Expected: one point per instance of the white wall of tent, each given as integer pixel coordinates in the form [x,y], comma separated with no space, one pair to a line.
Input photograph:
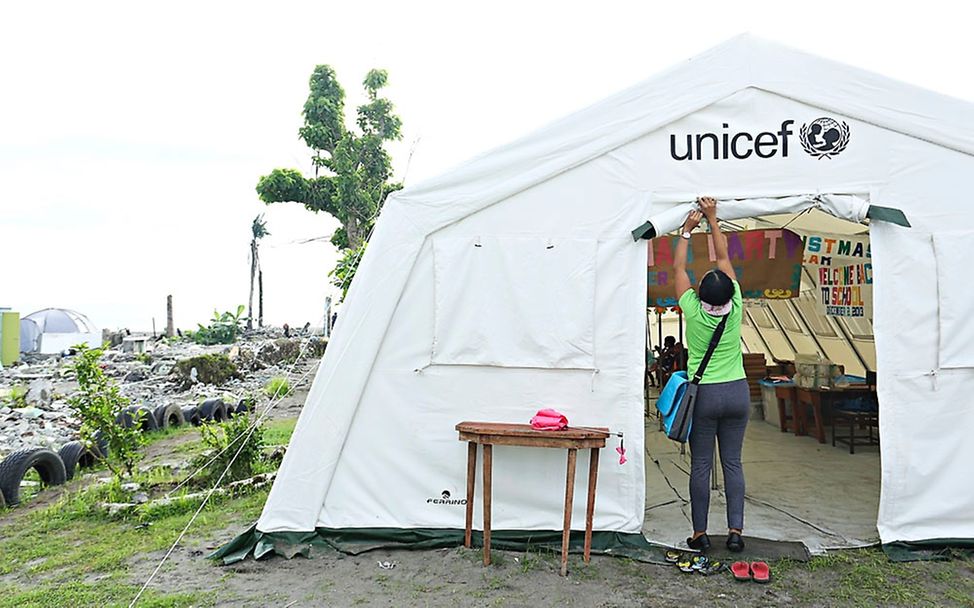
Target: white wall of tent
[376,437]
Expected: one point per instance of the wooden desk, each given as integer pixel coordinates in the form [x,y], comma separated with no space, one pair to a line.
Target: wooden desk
[783,393]
[812,397]
[490,434]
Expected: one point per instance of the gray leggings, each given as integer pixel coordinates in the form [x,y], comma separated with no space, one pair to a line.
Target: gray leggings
[721,411]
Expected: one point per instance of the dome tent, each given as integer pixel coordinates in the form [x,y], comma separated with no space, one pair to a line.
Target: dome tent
[30,336]
[52,330]
[409,361]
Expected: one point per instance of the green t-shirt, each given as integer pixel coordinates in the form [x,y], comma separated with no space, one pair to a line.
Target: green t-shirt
[727,362]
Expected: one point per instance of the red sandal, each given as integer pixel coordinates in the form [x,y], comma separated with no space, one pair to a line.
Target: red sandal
[741,571]
[761,572]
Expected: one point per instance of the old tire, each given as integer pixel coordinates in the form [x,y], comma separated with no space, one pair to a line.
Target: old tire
[13,468]
[214,410]
[242,407]
[191,414]
[168,415]
[127,418]
[70,454]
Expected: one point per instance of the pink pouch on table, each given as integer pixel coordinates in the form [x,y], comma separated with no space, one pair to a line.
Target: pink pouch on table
[549,420]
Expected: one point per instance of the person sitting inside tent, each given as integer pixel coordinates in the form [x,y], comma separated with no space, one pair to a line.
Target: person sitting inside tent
[669,359]
[723,402]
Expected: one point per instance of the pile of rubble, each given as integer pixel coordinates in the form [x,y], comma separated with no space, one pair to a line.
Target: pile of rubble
[34,417]
[34,410]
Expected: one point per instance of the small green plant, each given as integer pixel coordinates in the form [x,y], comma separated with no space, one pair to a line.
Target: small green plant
[223,328]
[99,404]
[233,433]
[16,396]
[277,386]
[144,358]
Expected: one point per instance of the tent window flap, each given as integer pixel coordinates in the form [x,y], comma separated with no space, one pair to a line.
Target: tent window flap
[953,252]
[514,302]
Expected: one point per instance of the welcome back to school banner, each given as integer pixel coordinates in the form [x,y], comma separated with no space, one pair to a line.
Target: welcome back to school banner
[842,267]
[768,263]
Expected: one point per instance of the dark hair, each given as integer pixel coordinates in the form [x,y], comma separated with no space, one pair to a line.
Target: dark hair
[669,341]
[716,288]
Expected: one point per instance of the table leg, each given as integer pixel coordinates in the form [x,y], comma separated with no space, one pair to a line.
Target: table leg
[800,415]
[569,496]
[488,465]
[593,474]
[817,412]
[471,482]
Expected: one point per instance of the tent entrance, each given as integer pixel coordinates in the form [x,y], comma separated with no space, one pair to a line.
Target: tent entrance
[798,490]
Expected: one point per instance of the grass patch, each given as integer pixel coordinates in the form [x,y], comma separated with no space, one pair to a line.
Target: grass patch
[538,559]
[868,579]
[865,577]
[30,486]
[77,594]
[51,555]
[74,538]
[278,432]
[173,431]
[277,387]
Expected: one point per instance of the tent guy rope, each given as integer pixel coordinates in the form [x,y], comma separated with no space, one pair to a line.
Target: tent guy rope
[246,437]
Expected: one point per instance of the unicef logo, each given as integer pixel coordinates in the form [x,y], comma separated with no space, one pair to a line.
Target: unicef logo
[824,137]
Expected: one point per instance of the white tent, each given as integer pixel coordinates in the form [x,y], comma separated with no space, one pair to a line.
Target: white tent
[512,283]
[54,330]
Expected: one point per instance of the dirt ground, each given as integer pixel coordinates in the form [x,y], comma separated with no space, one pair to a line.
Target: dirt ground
[457,577]
[444,577]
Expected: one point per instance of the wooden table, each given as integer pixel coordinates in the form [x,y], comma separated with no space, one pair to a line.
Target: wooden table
[490,434]
[812,397]
[786,393]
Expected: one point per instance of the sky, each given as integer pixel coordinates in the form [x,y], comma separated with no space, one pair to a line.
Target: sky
[132,134]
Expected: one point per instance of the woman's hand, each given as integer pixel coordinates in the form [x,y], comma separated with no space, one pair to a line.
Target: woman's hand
[693,220]
[708,205]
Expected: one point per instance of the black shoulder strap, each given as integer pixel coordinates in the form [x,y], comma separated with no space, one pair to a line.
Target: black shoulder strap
[714,340]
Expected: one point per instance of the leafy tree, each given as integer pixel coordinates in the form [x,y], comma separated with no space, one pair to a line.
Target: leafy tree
[258,230]
[351,169]
[99,404]
[341,276]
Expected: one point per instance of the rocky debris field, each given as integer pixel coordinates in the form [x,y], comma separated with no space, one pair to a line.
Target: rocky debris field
[34,408]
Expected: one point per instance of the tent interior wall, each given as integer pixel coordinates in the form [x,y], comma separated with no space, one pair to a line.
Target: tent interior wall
[781,329]
[785,473]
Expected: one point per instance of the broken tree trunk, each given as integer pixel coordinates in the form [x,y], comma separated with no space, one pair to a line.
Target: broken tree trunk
[260,298]
[170,332]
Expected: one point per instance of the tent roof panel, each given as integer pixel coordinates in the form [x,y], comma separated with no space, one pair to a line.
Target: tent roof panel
[741,62]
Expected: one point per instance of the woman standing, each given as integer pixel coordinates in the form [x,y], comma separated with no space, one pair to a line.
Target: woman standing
[723,401]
